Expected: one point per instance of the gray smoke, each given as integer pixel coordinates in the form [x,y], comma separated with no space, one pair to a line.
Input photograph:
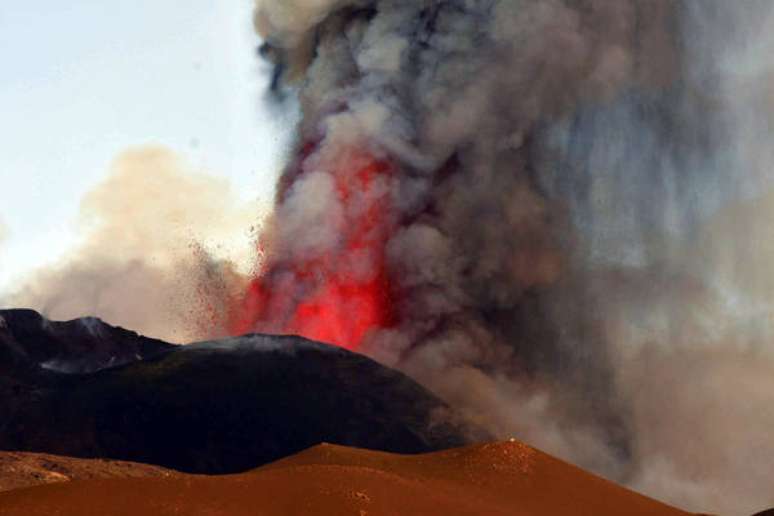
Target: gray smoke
[583,206]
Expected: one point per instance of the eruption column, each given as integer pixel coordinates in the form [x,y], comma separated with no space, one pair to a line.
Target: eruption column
[553,165]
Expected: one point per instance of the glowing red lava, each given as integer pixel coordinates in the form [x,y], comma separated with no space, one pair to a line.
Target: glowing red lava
[339,297]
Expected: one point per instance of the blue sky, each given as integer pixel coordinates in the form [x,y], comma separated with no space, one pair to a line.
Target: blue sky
[82,81]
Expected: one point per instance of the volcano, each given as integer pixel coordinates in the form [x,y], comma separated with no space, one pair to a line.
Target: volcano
[210,407]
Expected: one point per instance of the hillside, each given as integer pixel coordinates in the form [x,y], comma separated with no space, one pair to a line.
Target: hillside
[494,479]
[19,470]
[211,407]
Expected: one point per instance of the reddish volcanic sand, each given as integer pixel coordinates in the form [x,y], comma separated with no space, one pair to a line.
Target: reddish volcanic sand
[19,469]
[494,480]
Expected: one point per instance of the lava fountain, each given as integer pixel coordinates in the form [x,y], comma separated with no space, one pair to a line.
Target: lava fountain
[340,294]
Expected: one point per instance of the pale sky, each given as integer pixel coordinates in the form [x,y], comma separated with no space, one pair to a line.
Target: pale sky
[82,81]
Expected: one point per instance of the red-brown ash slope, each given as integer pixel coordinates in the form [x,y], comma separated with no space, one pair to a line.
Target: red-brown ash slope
[502,479]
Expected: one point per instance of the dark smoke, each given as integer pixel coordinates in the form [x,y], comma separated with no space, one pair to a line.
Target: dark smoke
[581,257]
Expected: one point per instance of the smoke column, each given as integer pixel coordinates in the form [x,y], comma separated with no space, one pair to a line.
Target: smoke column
[553,213]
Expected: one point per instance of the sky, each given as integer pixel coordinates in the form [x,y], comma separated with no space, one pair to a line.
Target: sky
[82,81]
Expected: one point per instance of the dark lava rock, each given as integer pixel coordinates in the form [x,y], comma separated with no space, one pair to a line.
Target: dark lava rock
[213,407]
[79,346]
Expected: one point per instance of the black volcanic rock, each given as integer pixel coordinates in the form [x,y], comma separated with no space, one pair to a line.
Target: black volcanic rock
[219,407]
[79,346]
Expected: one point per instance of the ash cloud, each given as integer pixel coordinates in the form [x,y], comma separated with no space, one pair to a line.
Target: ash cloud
[581,256]
[163,250]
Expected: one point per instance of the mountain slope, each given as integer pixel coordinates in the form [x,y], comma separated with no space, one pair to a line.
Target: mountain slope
[221,407]
[78,346]
[497,480]
[19,470]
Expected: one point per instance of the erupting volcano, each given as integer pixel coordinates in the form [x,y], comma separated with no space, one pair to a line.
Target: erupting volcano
[554,215]
[506,200]
[341,293]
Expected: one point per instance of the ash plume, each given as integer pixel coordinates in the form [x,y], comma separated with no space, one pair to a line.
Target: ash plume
[569,194]
[161,251]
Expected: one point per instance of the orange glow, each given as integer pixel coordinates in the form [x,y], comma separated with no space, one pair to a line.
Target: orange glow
[325,298]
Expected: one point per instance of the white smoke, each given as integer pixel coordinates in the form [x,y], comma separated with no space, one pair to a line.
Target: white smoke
[164,248]
[289,22]
[582,257]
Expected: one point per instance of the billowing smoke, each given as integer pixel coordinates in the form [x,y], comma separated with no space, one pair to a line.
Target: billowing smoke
[554,213]
[161,252]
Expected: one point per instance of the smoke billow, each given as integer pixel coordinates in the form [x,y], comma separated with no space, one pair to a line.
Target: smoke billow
[567,220]
[161,251]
